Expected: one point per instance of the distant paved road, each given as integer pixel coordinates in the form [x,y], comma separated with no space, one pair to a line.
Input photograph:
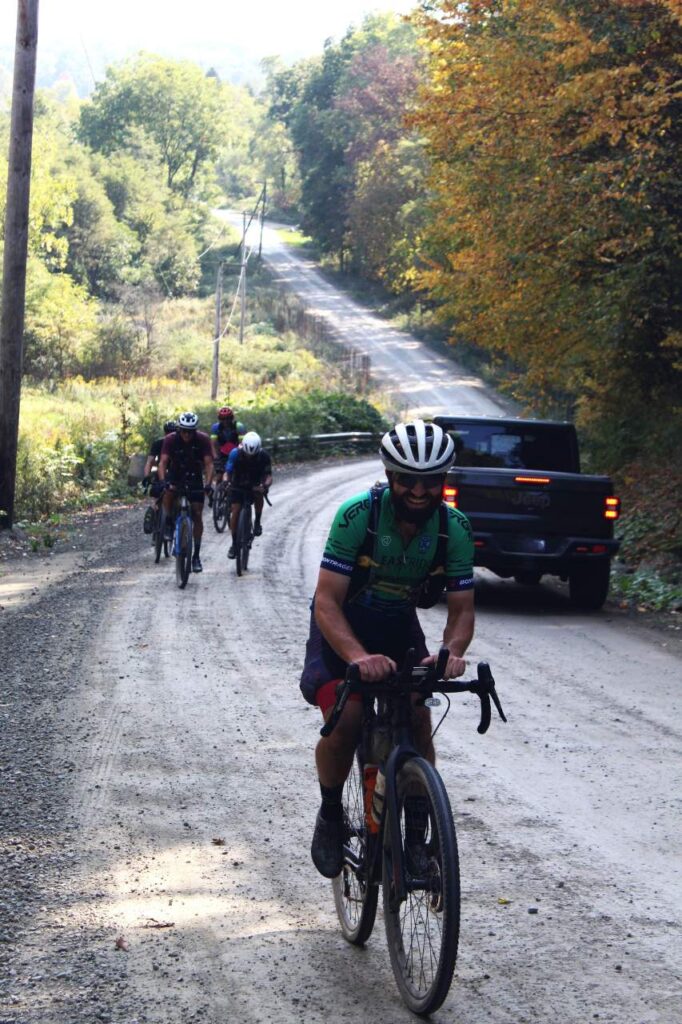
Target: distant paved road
[417,379]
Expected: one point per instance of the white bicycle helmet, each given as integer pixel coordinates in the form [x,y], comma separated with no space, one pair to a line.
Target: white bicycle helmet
[251,443]
[187,421]
[417,447]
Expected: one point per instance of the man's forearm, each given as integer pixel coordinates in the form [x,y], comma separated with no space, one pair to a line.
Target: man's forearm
[337,631]
[459,631]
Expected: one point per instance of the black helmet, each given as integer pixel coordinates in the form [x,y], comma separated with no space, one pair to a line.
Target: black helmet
[169,427]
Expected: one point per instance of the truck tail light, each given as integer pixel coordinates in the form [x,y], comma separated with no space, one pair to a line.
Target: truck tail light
[533,479]
[450,496]
[591,549]
[611,508]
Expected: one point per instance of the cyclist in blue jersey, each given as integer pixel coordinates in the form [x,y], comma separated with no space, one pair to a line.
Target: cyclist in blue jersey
[248,466]
[364,609]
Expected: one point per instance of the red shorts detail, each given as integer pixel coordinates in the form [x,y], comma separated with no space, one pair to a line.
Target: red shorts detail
[325,698]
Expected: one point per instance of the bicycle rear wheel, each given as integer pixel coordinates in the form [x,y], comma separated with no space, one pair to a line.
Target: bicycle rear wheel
[183,556]
[221,508]
[159,528]
[354,894]
[423,930]
[243,539]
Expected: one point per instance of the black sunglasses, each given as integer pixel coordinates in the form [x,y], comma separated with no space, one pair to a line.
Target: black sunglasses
[428,480]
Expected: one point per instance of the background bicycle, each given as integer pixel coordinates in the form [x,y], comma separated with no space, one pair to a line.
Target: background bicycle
[244,538]
[221,505]
[181,532]
[400,832]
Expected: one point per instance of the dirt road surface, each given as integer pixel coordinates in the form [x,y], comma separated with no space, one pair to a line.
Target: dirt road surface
[417,379]
[157,796]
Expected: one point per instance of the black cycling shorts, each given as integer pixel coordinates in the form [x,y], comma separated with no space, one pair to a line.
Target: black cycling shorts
[391,635]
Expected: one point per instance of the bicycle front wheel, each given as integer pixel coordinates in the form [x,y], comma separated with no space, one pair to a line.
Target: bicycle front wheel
[423,929]
[354,894]
[221,510]
[243,539]
[183,555]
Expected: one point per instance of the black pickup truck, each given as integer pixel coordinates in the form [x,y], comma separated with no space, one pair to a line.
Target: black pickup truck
[531,509]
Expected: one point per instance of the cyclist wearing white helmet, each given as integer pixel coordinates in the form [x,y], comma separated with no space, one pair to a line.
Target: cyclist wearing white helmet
[248,468]
[187,460]
[390,550]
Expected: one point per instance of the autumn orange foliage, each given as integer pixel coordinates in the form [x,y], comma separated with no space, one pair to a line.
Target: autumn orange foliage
[555,135]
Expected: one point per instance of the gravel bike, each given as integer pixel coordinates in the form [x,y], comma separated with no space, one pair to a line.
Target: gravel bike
[244,538]
[406,842]
[182,535]
[221,505]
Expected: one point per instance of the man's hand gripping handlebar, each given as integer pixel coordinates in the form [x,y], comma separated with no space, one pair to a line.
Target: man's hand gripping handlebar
[422,679]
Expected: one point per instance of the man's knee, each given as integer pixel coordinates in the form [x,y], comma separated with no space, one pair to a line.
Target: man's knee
[346,733]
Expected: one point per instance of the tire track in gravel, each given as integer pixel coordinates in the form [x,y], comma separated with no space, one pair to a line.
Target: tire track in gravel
[182,724]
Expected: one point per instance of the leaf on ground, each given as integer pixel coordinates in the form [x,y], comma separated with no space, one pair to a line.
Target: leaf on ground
[218,842]
[153,923]
[121,944]
[503,901]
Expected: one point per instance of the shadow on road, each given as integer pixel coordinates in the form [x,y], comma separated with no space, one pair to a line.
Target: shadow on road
[548,598]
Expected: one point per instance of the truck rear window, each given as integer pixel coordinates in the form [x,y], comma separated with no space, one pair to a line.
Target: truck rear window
[515,447]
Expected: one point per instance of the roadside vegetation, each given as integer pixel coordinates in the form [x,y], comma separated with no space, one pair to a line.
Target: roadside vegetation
[502,177]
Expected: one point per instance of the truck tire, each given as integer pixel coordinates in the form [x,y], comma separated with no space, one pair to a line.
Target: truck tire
[528,579]
[588,585]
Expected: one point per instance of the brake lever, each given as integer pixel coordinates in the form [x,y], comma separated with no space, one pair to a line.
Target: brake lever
[486,690]
[343,691]
[442,662]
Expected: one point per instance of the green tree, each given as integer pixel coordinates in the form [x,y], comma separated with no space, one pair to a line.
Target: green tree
[61,322]
[183,111]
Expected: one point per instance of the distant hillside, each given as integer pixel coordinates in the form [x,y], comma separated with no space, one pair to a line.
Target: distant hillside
[80,69]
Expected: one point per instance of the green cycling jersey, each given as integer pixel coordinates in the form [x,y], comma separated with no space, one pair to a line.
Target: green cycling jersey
[398,567]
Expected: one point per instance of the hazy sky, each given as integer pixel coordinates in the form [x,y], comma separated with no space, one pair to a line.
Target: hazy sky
[261,27]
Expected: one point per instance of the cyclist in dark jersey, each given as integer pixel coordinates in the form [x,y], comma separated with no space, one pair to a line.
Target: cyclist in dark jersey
[376,625]
[151,476]
[226,433]
[187,459]
[248,466]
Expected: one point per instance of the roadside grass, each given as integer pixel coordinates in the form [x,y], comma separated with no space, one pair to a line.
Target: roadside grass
[297,240]
[77,436]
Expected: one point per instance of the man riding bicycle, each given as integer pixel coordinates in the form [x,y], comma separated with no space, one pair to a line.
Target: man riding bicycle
[379,562]
[151,475]
[226,433]
[248,468]
[187,459]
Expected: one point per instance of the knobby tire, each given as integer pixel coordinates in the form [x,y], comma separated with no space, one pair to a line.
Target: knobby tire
[423,930]
[354,896]
[159,543]
[243,539]
[183,558]
[221,508]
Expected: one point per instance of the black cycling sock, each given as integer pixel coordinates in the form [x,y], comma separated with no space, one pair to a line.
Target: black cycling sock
[332,808]
[197,548]
[257,520]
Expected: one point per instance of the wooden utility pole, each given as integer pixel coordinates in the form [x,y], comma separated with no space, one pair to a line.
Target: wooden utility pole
[264,196]
[242,283]
[216,336]
[16,246]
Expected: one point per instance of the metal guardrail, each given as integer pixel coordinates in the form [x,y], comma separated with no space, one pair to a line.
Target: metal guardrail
[294,447]
[310,446]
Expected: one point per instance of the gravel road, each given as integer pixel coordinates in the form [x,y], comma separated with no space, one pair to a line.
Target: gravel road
[415,378]
[157,795]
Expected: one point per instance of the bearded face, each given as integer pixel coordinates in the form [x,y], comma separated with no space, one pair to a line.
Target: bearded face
[413,502]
